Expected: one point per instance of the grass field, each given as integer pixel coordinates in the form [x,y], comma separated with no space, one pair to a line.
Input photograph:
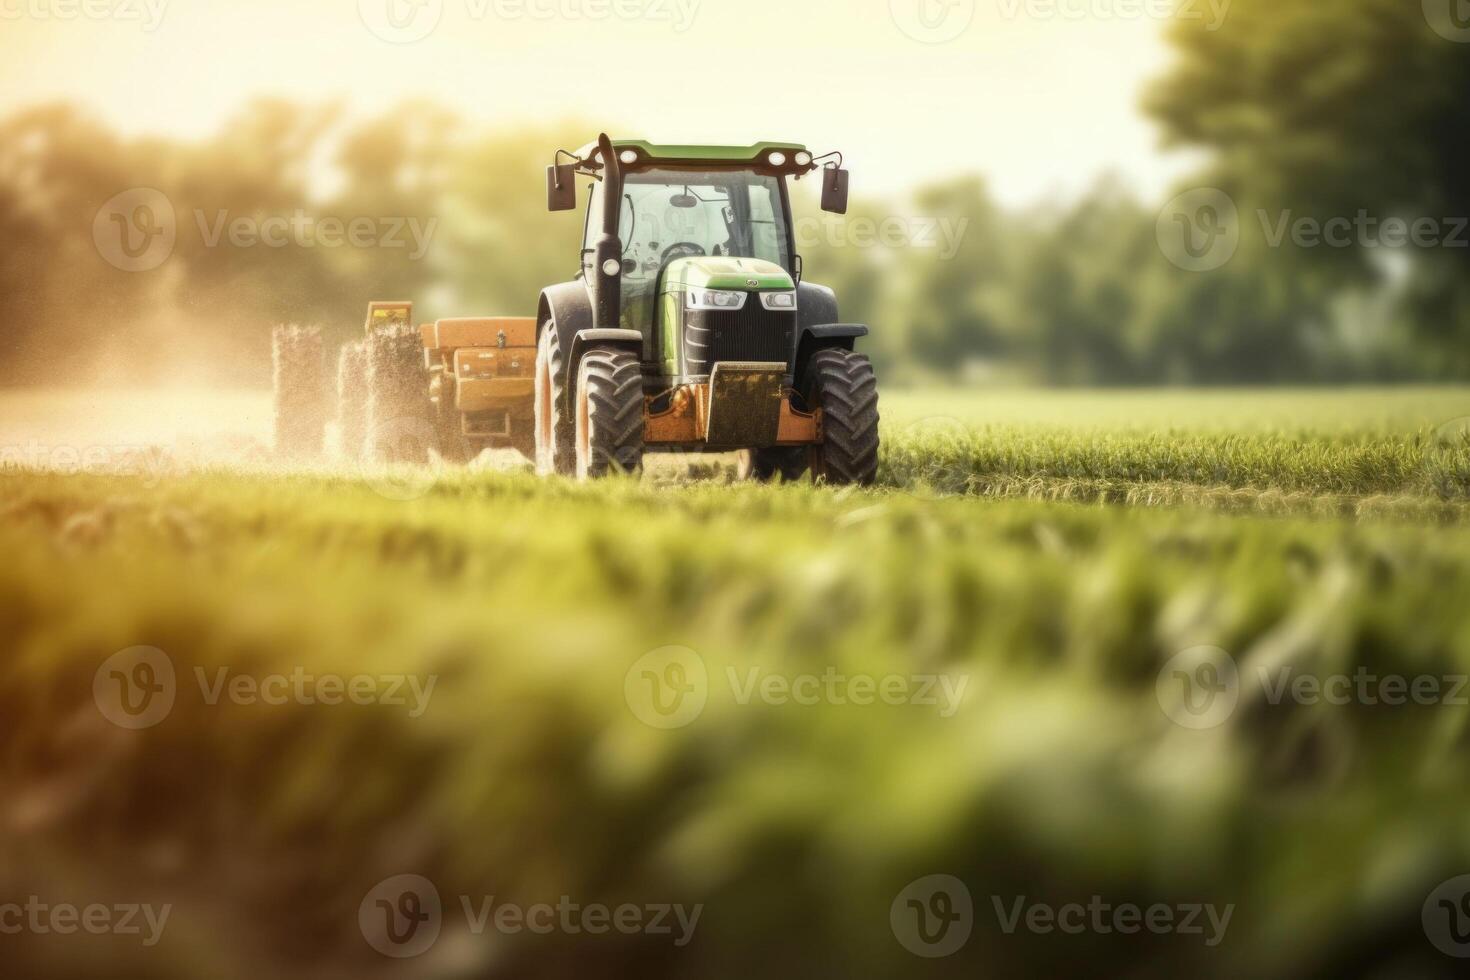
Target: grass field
[1317,534]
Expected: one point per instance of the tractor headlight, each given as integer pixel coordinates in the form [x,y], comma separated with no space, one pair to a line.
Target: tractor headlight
[716,299]
[777,159]
[778,301]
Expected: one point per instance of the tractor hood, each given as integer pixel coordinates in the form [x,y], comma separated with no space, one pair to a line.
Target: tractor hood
[717,272]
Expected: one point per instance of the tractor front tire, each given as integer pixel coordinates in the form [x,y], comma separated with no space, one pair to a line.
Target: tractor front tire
[555,426]
[785,463]
[609,422]
[843,386]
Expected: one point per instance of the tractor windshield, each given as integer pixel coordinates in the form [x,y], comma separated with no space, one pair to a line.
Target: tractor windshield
[669,214]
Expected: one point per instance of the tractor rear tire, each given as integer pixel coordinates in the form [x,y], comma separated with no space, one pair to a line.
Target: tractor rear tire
[786,463]
[609,422]
[301,386]
[556,453]
[843,386]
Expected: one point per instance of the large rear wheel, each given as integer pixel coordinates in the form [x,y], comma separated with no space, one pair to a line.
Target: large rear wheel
[609,424]
[555,427]
[843,386]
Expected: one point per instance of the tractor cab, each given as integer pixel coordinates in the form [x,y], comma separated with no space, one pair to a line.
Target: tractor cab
[688,327]
[678,232]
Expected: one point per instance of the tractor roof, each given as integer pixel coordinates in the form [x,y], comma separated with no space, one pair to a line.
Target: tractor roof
[757,155]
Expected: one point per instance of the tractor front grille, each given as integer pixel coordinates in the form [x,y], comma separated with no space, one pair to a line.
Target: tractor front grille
[751,334]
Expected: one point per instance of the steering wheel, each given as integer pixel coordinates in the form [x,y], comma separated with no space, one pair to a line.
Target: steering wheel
[685,250]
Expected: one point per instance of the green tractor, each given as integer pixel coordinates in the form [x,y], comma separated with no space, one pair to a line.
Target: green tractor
[688,328]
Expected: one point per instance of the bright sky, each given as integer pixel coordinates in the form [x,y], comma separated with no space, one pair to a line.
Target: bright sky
[1039,95]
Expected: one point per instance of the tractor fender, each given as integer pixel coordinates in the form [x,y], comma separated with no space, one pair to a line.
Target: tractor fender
[630,340]
[567,309]
[816,304]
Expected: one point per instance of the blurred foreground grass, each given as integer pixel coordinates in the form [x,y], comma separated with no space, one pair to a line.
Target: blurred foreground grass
[530,776]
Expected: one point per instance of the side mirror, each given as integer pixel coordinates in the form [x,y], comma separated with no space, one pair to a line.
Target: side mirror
[834,190]
[561,187]
[797,265]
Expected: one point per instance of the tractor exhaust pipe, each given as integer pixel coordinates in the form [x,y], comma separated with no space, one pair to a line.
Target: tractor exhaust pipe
[608,295]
